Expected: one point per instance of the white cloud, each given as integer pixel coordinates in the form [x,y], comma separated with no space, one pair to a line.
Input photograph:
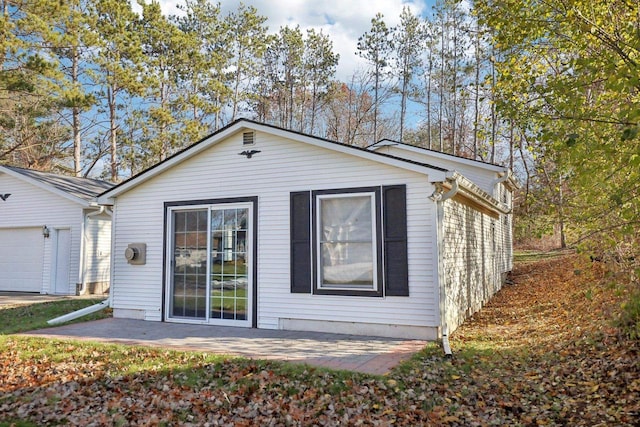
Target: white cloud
[343,20]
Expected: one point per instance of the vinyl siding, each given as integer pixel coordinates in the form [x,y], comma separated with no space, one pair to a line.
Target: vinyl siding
[98,252]
[30,206]
[504,195]
[283,166]
[474,256]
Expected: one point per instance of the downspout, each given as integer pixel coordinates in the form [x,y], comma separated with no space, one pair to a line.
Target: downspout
[82,262]
[439,197]
[92,308]
[83,256]
[506,175]
[79,313]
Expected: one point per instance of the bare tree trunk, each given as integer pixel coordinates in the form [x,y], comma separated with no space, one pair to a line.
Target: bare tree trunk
[494,124]
[375,101]
[236,87]
[563,239]
[559,204]
[164,149]
[477,94]
[314,96]
[527,178]
[429,74]
[403,103]
[112,133]
[349,118]
[454,142]
[441,97]
[75,113]
[512,146]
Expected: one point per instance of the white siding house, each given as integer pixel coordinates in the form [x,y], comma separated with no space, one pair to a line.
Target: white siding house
[54,239]
[257,226]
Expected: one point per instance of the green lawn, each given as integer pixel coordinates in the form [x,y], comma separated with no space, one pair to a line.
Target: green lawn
[35,316]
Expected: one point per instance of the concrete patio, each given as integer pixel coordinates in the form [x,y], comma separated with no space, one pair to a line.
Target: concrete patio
[373,355]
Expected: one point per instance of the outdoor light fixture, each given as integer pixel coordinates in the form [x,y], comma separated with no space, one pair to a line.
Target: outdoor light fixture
[45,231]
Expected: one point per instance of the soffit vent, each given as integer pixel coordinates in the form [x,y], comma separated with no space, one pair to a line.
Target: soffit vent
[248,138]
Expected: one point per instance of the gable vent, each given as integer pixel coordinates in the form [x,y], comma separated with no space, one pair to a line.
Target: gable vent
[248,138]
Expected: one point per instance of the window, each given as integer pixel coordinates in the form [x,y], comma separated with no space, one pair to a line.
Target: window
[349,241]
[346,241]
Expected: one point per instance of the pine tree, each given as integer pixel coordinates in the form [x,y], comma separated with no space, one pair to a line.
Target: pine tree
[408,41]
[163,48]
[68,39]
[31,134]
[204,79]
[320,65]
[247,42]
[118,61]
[375,46]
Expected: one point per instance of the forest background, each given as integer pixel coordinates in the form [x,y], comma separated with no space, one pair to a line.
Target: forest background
[105,89]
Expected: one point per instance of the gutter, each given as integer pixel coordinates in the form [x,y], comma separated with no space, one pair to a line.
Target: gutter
[80,313]
[505,176]
[439,197]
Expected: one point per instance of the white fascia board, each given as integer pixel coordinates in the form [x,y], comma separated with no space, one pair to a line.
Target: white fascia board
[43,186]
[107,198]
[434,174]
[438,154]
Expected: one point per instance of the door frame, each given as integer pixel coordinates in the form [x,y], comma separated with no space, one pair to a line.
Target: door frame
[167,253]
[55,252]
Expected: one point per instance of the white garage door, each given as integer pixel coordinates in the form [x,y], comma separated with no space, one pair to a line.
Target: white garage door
[21,255]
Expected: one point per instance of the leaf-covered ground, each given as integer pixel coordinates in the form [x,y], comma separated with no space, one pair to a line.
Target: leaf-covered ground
[543,352]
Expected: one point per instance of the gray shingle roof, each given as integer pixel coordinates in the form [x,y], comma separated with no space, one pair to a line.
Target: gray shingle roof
[83,188]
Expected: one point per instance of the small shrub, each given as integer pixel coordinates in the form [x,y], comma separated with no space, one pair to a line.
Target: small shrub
[629,320]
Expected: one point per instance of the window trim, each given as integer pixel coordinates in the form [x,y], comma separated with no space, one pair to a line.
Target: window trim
[374,193]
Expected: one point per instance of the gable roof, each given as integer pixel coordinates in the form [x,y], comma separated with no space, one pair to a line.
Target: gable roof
[437,154]
[503,172]
[435,173]
[80,190]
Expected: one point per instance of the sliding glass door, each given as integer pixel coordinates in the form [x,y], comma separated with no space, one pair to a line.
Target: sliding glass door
[209,264]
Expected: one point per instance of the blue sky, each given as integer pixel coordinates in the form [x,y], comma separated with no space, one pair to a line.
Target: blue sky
[343,20]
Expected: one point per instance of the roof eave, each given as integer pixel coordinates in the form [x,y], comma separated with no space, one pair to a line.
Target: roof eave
[107,197]
[477,163]
[43,186]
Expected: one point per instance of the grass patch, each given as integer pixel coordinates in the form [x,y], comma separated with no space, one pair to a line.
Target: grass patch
[629,318]
[17,423]
[35,316]
[533,256]
[115,359]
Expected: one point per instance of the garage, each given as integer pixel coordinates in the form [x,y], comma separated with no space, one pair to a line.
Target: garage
[21,253]
[54,239]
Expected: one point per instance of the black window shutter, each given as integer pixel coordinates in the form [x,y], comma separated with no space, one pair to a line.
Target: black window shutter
[396,270]
[300,221]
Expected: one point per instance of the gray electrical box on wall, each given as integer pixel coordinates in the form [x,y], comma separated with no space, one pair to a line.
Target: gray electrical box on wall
[136,253]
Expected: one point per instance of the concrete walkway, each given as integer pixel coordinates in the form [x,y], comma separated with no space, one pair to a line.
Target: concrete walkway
[371,355]
[11,299]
